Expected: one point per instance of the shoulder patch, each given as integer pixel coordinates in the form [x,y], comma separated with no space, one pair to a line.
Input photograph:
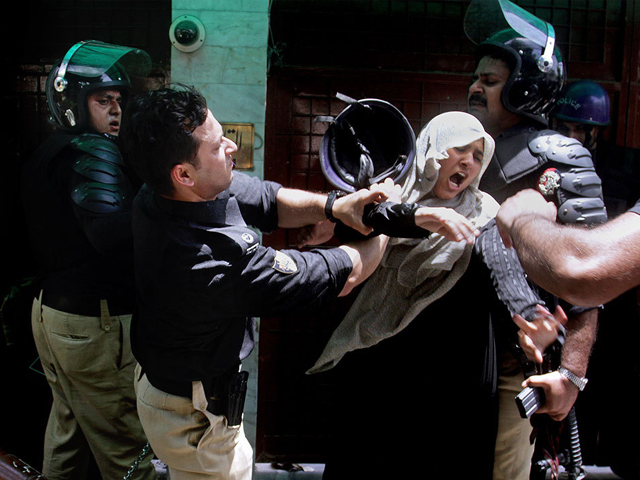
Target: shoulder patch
[283,263]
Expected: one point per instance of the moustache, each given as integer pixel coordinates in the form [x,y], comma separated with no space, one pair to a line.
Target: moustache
[475,98]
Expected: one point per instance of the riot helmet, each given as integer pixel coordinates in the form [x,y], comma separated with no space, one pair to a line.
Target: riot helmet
[527,44]
[86,67]
[369,141]
[583,101]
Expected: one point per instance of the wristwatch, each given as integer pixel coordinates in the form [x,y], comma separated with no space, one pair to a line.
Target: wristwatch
[579,382]
[328,207]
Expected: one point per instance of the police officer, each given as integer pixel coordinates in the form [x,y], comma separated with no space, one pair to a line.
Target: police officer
[202,277]
[518,77]
[583,112]
[77,194]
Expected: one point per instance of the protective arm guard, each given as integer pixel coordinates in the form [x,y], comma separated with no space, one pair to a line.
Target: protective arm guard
[103,188]
[570,180]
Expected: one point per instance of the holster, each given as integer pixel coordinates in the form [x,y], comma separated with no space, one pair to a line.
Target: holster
[225,393]
[227,396]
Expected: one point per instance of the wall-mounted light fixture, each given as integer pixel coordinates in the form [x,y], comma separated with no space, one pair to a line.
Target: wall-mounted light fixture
[187,33]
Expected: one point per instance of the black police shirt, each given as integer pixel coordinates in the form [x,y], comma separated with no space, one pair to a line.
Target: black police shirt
[202,274]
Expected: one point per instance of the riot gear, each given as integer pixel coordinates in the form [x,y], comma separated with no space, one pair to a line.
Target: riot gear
[370,140]
[86,67]
[527,44]
[104,188]
[570,179]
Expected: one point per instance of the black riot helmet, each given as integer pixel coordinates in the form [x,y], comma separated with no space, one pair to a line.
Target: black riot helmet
[86,67]
[527,44]
[369,141]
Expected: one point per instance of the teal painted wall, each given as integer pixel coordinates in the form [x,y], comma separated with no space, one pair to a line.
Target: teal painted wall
[230,69]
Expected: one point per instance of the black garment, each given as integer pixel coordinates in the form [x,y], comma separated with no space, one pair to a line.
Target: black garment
[513,167]
[386,218]
[202,275]
[422,403]
[83,254]
[619,169]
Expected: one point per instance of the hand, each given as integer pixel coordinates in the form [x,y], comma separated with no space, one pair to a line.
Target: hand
[448,223]
[541,332]
[349,209]
[525,202]
[559,392]
[316,234]
[389,191]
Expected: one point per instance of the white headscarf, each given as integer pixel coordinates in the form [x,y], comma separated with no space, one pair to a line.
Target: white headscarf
[415,272]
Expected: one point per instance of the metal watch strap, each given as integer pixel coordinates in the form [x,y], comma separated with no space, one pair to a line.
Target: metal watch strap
[328,207]
[579,382]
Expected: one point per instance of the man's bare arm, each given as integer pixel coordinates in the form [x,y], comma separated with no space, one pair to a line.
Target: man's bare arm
[585,266]
[365,256]
[299,208]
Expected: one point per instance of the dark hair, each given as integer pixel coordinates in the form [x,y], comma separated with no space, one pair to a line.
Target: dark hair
[157,133]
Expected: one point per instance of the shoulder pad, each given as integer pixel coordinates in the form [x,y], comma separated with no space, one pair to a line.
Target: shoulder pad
[550,146]
[98,170]
[99,197]
[586,211]
[99,147]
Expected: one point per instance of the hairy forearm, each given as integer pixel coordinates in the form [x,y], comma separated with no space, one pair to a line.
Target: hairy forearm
[585,266]
[581,335]
[541,250]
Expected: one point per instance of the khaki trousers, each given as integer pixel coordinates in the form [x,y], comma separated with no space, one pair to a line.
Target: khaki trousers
[193,442]
[513,451]
[89,366]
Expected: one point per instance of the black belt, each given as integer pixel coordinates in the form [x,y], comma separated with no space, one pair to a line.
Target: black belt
[184,388]
[86,306]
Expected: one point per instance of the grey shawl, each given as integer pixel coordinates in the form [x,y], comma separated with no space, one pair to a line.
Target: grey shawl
[416,272]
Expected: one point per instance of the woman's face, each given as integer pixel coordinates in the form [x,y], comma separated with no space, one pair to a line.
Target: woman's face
[459,170]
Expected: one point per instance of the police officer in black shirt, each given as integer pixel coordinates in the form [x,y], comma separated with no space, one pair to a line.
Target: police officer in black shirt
[202,276]
[77,195]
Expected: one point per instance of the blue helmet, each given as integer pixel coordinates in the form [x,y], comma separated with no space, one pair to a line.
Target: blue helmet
[583,101]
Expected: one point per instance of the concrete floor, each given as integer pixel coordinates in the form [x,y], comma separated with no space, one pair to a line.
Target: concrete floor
[264,471]
[313,471]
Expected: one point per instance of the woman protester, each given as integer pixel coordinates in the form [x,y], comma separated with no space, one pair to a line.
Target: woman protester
[414,359]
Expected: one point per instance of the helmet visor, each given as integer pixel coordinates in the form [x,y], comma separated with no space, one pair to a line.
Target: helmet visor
[485,18]
[92,59]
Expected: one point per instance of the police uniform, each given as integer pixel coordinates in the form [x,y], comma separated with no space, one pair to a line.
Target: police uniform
[202,276]
[77,196]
